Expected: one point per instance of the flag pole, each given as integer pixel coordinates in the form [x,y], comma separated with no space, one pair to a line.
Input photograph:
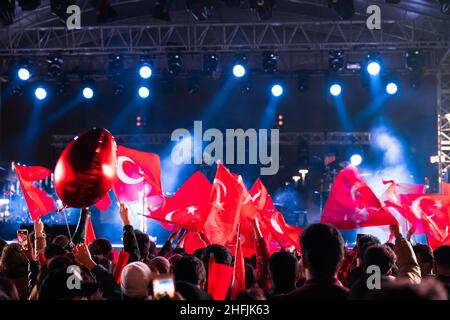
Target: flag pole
[236,253]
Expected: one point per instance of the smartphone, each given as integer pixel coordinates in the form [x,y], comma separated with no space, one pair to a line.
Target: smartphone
[22,237]
[163,286]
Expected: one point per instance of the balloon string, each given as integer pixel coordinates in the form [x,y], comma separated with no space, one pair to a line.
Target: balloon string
[67,225]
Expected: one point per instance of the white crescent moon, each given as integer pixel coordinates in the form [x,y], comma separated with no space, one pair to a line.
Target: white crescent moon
[168,217]
[121,173]
[256,196]
[354,190]
[415,207]
[275,224]
[222,185]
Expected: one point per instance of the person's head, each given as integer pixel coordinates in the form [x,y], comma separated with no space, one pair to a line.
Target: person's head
[61,240]
[104,262]
[174,258]
[190,269]
[53,250]
[101,246]
[13,262]
[161,264]
[424,256]
[428,289]
[381,256]
[54,285]
[8,287]
[363,243]
[135,281]
[283,269]
[253,294]
[442,260]
[322,250]
[143,241]
[190,291]
[221,255]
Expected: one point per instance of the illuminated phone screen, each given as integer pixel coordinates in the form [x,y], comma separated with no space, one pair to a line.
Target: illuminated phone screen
[22,237]
[163,286]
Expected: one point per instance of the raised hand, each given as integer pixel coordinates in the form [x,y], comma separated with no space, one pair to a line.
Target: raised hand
[38,228]
[83,256]
[124,214]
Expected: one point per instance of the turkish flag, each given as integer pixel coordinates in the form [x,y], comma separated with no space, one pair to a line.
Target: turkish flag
[352,204]
[272,223]
[238,282]
[223,207]
[139,177]
[445,188]
[392,199]
[219,279]
[188,206]
[90,234]
[193,241]
[430,212]
[38,201]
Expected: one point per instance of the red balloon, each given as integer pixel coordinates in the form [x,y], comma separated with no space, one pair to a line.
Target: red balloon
[86,169]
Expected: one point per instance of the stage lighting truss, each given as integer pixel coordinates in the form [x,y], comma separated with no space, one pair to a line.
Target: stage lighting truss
[210,63]
[200,9]
[336,60]
[262,8]
[55,66]
[269,62]
[174,63]
[7,11]
[29,5]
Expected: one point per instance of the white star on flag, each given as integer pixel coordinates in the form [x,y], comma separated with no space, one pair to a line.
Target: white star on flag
[191,210]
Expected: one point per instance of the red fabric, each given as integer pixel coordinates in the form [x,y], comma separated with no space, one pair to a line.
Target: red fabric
[192,242]
[122,261]
[238,284]
[219,279]
[223,207]
[274,227]
[188,206]
[41,258]
[104,203]
[139,176]
[90,234]
[38,201]
[431,213]
[445,188]
[352,204]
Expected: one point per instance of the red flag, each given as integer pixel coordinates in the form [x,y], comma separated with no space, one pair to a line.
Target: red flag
[192,242]
[188,206]
[352,204]
[38,201]
[104,203]
[139,177]
[219,279]
[122,261]
[430,212]
[238,283]
[223,207]
[90,234]
[270,219]
[445,188]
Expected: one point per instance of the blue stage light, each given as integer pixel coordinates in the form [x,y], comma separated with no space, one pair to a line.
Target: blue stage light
[391,88]
[373,68]
[40,93]
[356,160]
[88,92]
[277,90]
[144,92]
[23,73]
[335,89]
[239,70]
[145,71]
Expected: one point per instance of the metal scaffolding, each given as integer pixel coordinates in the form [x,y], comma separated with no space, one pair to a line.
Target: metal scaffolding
[286,138]
[443,114]
[299,36]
